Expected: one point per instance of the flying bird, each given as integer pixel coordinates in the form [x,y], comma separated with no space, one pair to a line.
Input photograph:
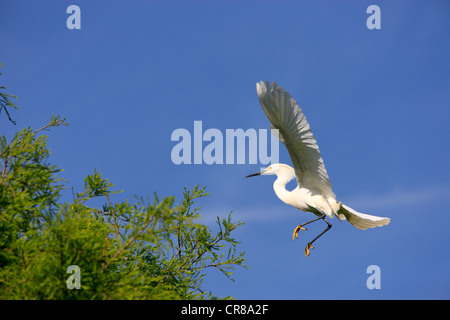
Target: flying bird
[313,192]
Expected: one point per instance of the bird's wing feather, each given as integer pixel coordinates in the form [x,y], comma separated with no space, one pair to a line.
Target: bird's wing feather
[285,115]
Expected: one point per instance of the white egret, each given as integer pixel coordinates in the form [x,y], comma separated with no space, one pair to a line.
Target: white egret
[313,192]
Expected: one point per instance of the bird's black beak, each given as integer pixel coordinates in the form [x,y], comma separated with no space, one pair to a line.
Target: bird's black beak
[253,175]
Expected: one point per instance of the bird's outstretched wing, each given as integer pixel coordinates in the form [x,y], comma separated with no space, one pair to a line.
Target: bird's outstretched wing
[285,115]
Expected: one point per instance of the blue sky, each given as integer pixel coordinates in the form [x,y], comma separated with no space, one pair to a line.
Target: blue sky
[377,102]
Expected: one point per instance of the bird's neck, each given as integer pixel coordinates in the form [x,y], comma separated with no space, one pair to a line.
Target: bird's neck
[279,185]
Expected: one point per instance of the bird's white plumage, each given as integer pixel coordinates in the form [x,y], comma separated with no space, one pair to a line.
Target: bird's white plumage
[360,220]
[285,115]
[313,193]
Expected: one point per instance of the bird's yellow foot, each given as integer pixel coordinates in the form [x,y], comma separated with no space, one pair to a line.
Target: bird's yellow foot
[296,231]
[307,249]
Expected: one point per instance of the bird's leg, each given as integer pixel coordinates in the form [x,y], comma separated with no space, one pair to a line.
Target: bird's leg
[309,245]
[296,231]
[300,227]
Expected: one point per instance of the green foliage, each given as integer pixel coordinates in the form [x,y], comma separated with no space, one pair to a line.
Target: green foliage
[5,102]
[138,249]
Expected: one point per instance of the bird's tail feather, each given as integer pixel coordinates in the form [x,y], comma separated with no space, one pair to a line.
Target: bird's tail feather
[361,220]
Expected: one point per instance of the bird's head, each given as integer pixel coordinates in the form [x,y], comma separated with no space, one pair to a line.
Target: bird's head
[272,169]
